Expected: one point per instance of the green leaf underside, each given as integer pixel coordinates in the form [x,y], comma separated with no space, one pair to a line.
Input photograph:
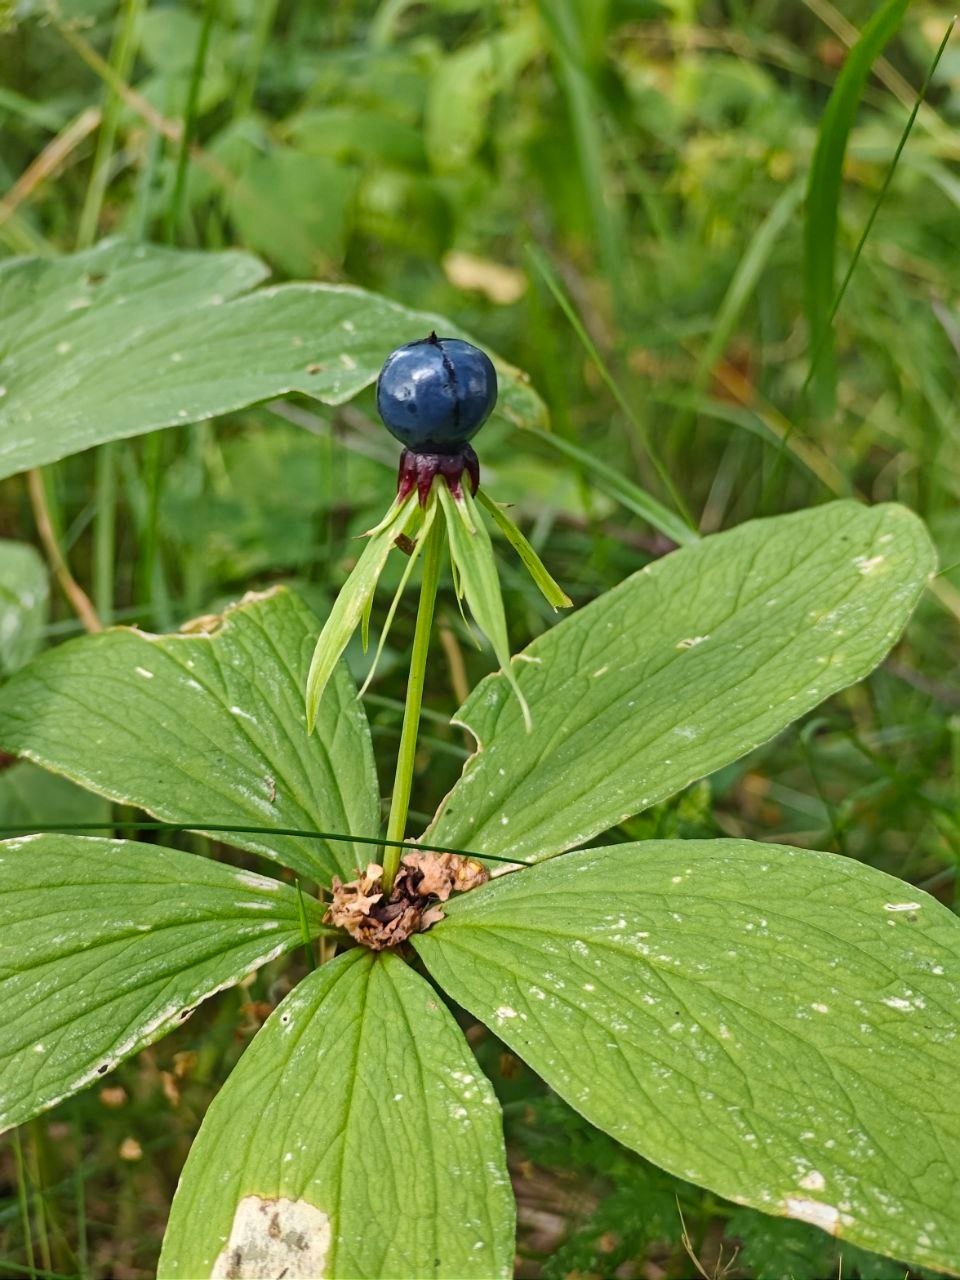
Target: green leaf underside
[107,944]
[207,729]
[359,1124]
[352,605]
[23,604]
[477,579]
[777,1025]
[123,339]
[681,669]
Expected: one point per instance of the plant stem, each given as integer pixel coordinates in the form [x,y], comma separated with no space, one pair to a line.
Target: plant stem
[105,531]
[121,61]
[175,209]
[23,1196]
[78,598]
[406,756]
[263,23]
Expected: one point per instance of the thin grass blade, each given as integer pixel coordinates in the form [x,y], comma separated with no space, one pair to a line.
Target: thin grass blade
[823,195]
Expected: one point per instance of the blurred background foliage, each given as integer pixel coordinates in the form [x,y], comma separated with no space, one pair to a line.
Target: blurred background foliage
[612,194]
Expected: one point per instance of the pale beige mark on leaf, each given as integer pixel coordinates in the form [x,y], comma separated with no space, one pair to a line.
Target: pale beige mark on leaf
[273,1238]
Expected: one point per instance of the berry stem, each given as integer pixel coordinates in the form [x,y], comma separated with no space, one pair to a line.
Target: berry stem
[406,756]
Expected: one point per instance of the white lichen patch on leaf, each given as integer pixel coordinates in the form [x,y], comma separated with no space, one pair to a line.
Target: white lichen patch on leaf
[691,642]
[288,1238]
[824,1216]
[867,564]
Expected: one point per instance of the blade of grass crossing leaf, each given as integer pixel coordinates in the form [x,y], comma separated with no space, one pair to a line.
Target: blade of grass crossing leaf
[473,553]
[823,192]
[552,592]
[59,828]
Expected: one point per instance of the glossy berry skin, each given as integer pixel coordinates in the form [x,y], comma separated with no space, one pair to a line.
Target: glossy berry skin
[436,394]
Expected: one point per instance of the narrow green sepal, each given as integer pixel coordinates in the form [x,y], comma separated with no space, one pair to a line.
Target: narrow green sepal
[472,553]
[429,515]
[549,588]
[350,605]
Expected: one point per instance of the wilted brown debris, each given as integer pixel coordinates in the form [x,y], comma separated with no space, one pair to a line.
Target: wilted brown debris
[423,882]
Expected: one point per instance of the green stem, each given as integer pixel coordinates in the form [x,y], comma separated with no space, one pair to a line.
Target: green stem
[105,531]
[406,756]
[263,22]
[175,209]
[121,61]
[23,1196]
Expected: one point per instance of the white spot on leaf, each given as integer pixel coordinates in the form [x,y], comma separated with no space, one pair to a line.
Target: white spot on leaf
[288,1238]
[813,1181]
[867,564]
[824,1216]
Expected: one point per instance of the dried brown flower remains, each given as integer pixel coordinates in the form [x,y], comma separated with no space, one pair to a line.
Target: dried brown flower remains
[424,881]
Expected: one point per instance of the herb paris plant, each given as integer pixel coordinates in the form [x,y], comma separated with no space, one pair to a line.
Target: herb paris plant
[761,1020]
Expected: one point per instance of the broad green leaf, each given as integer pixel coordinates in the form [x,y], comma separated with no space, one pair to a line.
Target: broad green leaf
[207,728]
[353,603]
[357,1137]
[777,1025]
[23,604]
[122,339]
[477,580]
[106,944]
[824,189]
[679,670]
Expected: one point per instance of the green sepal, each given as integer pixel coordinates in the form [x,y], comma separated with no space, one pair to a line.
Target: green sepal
[472,553]
[349,607]
[551,590]
[429,516]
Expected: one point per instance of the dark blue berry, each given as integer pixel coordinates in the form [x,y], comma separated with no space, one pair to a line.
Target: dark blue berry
[436,394]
